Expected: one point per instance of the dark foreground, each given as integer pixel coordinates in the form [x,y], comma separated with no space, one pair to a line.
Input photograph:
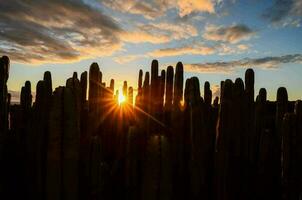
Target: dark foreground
[170,145]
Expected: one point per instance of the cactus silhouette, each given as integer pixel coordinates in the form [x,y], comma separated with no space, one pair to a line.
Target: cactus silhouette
[170,142]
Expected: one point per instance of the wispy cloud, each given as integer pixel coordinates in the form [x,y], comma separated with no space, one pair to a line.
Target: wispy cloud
[127,58]
[159,33]
[225,67]
[230,34]
[185,50]
[188,6]
[56,31]
[284,12]
[152,9]
[200,49]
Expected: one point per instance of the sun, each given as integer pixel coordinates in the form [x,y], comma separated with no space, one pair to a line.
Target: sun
[121,98]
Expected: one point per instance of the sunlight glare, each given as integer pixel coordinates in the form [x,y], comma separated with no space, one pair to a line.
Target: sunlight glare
[121,98]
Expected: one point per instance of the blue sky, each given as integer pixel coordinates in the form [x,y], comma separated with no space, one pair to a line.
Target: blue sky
[215,39]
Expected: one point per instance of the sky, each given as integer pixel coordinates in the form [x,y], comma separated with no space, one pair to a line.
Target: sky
[214,39]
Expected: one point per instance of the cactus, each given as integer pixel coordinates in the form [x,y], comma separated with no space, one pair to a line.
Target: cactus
[48,83]
[281,109]
[155,87]
[207,94]
[223,130]
[26,99]
[178,86]
[94,149]
[112,86]
[93,98]
[125,89]
[162,82]
[177,121]
[63,146]
[169,88]
[146,92]
[130,95]
[169,95]
[288,156]
[140,82]
[4,74]
[83,87]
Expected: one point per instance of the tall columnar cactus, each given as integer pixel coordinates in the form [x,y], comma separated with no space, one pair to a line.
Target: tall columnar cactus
[130,95]
[4,74]
[111,86]
[238,129]
[262,96]
[146,92]
[125,89]
[216,102]
[75,87]
[140,82]
[250,151]
[260,115]
[207,94]
[178,85]
[155,85]
[48,84]
[260,106]
[26,97]
[281,109]
[177,121]
[198,143]
[169,88]
[289,157]
[139,96]
[249,84]
[94,80]
[100,87]
[298,150]
[162,84]
[94,98]
[169,95]
[223,131]
[83,83]
[63,147]
[39,135]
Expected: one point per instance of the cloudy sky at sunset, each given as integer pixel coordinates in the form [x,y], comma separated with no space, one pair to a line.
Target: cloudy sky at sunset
[215,39]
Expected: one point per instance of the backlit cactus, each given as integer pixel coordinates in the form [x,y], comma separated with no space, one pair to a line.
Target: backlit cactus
[172,144]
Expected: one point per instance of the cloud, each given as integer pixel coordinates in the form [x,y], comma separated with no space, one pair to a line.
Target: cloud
[200,49]
[55,31]
[188,6]
[284,12]
[152,9]
[225,67]
[128,58]
[243,47]
[189,50]
[159,33]
[230,34]
[148,9]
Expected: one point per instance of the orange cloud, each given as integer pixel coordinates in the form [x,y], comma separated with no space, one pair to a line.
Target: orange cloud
[152,9]
[159,33]
[126,59]
[197,50]
[188,6]
[230,34]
